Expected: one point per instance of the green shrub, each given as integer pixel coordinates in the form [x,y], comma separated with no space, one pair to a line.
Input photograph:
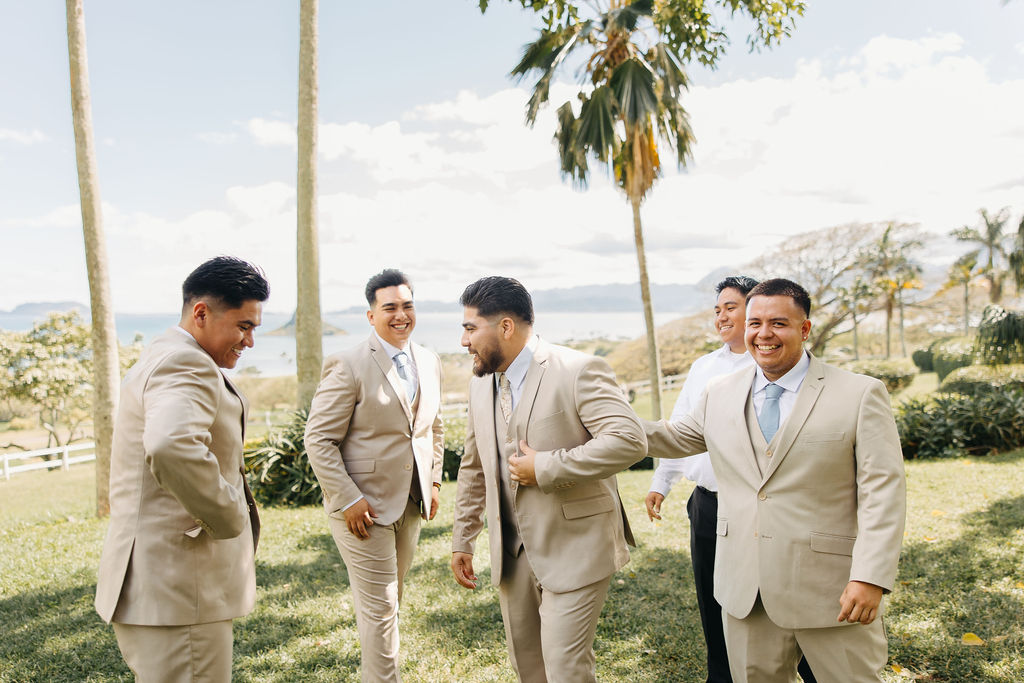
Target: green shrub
[922,358]
[954,425]
[950,354]
[1000,337]
[277,467]
[895,374]
[975,379]
[454,446]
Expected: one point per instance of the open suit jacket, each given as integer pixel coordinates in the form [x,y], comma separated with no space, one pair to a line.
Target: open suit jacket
[573,527]
[183,528]
[362,436]
[829,509]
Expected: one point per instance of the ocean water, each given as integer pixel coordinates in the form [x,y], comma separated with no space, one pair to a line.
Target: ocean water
[275,355]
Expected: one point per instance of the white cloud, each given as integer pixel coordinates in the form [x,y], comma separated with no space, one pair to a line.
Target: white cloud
[269,133]
[22,137]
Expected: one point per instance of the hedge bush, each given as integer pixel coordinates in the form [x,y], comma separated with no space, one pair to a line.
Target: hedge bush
[954,425]
[1000,336]
[277,467]
[975,379]
[950,354]
[922,358]
[895,374]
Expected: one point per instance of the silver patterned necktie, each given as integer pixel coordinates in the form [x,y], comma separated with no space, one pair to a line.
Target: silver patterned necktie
[402,364]
[505,396]
[769,417]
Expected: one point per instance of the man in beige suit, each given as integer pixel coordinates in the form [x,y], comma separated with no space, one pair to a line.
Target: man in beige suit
[811,502]
[556,525]
[375,441]
[177,565]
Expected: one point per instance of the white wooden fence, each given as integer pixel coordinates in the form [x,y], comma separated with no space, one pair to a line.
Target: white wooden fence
[36,463]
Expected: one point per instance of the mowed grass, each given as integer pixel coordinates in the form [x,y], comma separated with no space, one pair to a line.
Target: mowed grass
[962,571]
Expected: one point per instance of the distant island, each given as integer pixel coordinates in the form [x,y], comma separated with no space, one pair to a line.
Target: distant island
[38,308]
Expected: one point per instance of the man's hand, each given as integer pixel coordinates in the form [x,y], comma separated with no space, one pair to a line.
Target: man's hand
[359,518]
[462,567]
[521,466]
[653,504]
[860,602]
[435,500]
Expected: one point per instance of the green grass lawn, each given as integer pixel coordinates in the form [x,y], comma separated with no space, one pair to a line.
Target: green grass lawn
[961,571]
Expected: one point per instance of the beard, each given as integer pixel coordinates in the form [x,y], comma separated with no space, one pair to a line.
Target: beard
[486,361]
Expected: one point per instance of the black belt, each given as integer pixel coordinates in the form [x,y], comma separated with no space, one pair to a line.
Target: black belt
[707,492]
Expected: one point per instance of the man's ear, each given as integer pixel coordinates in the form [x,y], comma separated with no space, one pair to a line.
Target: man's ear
[200,313]
[508,327]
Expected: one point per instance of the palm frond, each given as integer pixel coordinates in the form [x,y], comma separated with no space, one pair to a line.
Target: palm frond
[572,156]
[596,132]
[626,18]
[633,85]
[546,54]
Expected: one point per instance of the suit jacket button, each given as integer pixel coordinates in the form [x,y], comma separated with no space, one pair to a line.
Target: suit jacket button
[408,467]
[762,496]
[769,454]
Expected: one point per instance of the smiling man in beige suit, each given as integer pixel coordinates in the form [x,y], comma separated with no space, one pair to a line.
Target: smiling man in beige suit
[556,525]
[375,441]
[811,500]
[177,565]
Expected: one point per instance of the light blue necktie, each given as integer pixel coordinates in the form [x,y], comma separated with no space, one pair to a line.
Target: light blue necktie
[402,364]
[769,417]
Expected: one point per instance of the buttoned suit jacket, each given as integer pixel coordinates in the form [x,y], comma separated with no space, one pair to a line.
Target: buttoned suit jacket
[829,509]
[183,527]
[362,436]
[572,523]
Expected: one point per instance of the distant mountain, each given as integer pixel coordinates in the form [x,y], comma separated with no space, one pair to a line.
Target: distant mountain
[36,308]
[611,298]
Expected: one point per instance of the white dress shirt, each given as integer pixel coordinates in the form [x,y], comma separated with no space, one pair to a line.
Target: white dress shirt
[697,468]
[790,382]
[516,371]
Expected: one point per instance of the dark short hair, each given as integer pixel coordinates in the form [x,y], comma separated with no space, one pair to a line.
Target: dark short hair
[783,287]
[228,280]
[496,295]
[389,277]
[741,283]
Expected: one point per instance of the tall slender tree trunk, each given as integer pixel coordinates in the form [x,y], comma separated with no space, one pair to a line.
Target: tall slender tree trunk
[903,339]
[856,352]
[888,326]
[653,360]
[106,370]
[967,319]
[308,327]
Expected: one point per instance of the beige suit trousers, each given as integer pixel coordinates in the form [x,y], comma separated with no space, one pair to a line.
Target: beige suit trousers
[376,571]
[197,653]
[550,636]
[762,652]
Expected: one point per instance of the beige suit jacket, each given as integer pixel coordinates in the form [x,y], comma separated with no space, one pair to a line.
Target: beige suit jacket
[362,436]
[829,509]
[179,549]
[573,526]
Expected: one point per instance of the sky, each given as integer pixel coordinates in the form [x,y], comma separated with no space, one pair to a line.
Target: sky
[876,110]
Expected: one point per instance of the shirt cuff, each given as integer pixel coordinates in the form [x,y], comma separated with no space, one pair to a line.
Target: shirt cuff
[352,503]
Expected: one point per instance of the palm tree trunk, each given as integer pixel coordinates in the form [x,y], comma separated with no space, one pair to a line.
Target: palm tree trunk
[967,319]
[888,326]
[653,361]
[308,328]
[106,371]
[903,339]
[856,352]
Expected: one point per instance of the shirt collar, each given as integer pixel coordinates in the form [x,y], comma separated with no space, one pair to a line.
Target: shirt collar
[391,350]
[791,381]
[516,371]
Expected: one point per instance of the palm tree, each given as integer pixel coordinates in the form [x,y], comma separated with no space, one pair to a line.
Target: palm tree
[1017,257]
[308,328]
[961,274]
[993,243]
[887,262]
[106,372]
[854,299]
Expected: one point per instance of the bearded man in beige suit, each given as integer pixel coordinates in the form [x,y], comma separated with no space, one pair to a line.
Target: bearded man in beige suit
[375,440]
[811,500]
[548,429]
[177,565]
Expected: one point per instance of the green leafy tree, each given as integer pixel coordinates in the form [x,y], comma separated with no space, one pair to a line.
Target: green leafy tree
[1017,257]
[631,57]
[855,298]
[994,245]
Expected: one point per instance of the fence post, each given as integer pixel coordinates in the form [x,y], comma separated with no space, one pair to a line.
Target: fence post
[64,465]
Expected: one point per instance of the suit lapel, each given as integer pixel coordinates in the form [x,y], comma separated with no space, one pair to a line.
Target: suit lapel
[531,385]
[482,400]
[805,400]
[740,393]
[427,382]
[387,366]
[241,397]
